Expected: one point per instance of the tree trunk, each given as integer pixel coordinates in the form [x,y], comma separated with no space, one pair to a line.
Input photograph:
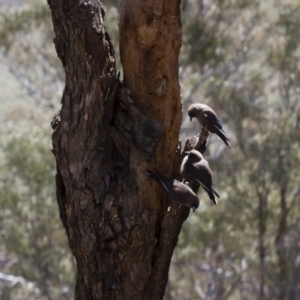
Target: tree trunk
[105,137]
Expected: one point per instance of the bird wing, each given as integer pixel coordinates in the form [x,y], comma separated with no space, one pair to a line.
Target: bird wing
[181,188]
[175,189]
[203,175]
[167,184]
[204,184]
[183,194]
[212,118]
[209,189]
[215,192]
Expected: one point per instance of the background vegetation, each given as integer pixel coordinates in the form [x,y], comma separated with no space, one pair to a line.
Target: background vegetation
[242,57]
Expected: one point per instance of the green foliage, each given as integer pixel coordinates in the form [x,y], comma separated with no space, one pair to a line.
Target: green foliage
[34,243]
[35,262]
[247,246]
[112,23]
[26,41]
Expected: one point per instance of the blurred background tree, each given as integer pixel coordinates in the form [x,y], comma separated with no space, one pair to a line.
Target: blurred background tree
[239,56]
[35,261]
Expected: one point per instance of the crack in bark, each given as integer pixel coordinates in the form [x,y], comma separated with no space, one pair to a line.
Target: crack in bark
[133,126]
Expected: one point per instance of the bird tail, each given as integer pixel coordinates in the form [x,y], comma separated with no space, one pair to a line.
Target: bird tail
[215,192]
[152,174]
[161,179]
[222,135]
[212,198]
[212,190]
[210,193]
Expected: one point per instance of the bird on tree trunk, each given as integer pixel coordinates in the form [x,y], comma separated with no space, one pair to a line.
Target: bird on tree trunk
[195,167]
[207,117]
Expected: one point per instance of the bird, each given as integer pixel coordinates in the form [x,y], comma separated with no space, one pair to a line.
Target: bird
[208,117]
[177,191]
[195,167]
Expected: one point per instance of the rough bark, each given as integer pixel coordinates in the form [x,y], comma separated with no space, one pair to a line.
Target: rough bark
[105,137]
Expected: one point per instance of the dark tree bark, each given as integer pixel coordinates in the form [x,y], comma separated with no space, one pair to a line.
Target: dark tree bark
[105,137]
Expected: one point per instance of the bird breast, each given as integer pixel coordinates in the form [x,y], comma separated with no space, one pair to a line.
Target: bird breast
[201,118]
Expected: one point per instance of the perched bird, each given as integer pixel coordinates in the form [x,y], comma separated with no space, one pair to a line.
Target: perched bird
[195,167]
[177,191]
[207,117]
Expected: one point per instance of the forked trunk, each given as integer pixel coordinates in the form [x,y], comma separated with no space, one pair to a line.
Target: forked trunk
[105,137]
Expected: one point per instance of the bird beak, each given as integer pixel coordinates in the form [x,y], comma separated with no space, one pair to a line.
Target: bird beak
[191,118]
[193,208]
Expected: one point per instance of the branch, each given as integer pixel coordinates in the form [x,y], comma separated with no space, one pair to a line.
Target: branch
[13,280]
[32,90]
[197,142]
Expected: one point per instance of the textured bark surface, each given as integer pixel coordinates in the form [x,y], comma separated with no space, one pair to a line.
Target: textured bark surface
[105,137]
[150,40]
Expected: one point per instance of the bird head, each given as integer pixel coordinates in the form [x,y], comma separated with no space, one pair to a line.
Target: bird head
[192,112]
[196,153]
[193,155]
[191,115]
